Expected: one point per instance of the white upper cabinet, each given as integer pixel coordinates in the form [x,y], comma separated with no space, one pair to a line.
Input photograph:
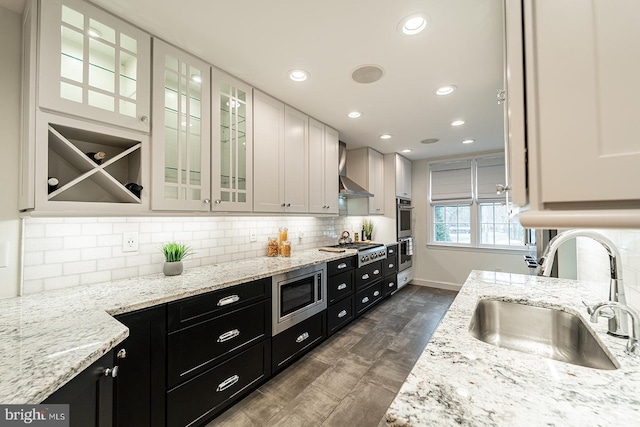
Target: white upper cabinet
[403,177]
[323,168]
[581,110]
[280,147]
[93,65]
[366,167]
[181,131]
[232,144]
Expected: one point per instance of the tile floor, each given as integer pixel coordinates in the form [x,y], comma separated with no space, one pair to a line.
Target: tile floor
[350,379]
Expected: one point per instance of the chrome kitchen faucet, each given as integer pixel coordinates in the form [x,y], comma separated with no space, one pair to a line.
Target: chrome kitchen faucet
[619,323]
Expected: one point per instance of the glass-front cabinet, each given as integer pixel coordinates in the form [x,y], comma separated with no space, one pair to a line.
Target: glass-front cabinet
[93,65]
[181,131]
[232,142]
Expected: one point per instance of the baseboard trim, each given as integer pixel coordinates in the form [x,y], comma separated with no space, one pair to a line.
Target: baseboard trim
[439,285]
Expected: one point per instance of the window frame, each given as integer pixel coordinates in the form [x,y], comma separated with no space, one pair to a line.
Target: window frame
[475,215]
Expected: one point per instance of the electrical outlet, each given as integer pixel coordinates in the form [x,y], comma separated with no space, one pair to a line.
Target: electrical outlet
[130,242]
[300,234]
[253,236]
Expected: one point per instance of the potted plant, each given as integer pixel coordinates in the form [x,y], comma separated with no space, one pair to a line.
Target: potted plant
[173,254]
[367,226]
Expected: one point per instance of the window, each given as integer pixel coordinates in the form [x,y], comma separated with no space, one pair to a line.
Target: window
[466,210]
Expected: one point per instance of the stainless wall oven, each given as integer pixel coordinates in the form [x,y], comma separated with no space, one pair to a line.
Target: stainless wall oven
[405,253]
[298,295]
[403,216]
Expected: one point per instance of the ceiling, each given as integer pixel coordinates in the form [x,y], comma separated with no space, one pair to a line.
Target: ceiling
[260,41]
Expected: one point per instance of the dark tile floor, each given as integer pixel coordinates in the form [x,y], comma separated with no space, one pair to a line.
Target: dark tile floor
[350,379]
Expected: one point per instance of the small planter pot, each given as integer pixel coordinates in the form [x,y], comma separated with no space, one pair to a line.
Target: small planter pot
[172,268]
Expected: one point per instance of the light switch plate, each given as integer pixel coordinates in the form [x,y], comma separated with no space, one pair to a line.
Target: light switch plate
[130,241]
[4,254]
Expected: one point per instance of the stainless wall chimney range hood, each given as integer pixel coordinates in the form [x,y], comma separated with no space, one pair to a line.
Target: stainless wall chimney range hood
[348,188]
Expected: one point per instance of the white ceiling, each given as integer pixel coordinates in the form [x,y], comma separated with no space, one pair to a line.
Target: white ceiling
[260,41]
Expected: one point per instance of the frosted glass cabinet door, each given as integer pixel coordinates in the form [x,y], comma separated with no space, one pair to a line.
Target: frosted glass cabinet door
[232,144]
[93,65]
[181,131]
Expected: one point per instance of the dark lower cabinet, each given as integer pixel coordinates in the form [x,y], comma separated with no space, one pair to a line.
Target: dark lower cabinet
[196,401]
[89,395]
[368,297]
[140,387]
[368,274]
[390,284]
[292,343]
[340,314]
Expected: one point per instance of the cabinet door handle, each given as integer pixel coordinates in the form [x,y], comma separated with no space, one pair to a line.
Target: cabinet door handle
[288,205]
[391,284]
[283,205]
[376,271]
[391,251]
[302,337]
[365,276]
[111,372]
[376,293]
[390,265]
[228,335]
[365,300]
[144,119]
[228,383]
[342,265]
[342,313]
[342,286]
[228,300]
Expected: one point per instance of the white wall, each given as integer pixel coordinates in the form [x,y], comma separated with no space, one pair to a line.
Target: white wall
[448,267]
[593,263]
[10,39]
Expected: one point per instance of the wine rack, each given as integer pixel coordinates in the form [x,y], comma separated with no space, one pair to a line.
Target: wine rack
[83,182]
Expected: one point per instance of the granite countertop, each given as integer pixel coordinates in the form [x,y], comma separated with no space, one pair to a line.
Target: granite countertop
[47,338]
[459,380]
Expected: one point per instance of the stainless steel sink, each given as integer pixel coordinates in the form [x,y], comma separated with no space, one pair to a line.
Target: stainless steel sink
[546,332]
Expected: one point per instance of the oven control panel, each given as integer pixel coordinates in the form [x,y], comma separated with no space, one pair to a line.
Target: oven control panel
[367,256]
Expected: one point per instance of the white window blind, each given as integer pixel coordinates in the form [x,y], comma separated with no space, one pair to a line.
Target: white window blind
[451,181]
[490,172]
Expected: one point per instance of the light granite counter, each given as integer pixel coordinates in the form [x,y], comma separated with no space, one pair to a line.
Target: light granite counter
[47,338]
[459,380]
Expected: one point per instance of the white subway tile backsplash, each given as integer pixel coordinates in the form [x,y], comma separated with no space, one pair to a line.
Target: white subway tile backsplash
[63,252]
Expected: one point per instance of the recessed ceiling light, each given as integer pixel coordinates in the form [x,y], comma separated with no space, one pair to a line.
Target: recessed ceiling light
[445,90]
[94,33]
[196,78]
[429,141]
[468,141]
[385,136]
[413,24]
[406,151]
[354,114]
[457,123]
[298,75]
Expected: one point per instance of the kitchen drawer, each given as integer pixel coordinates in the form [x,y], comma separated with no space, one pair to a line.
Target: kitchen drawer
[392,250]
[368,297]
[196,348]
[189,311]
[368,274]
[340,314]
[389,284]
[341,265]
[203,397]
[390,266]
[340,286]
[297,340]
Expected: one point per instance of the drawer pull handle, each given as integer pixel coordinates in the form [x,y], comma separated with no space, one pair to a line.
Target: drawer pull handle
[228,335]
[302,337]
[391,284]
[342,286]
[342,313]
[365,300]
[342,265]
[228,300]
[365,276]
[391,265]
[391,252]
[376,271]
[376,293]
[228,383]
